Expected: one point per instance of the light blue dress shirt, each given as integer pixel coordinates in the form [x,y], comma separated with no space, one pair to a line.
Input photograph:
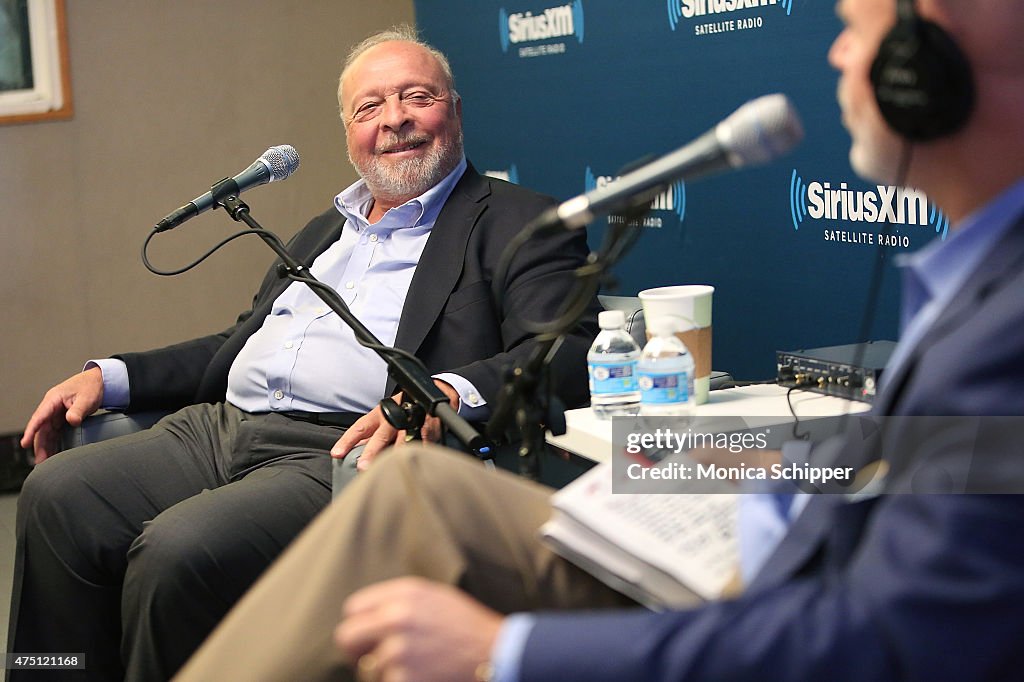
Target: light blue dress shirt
[931,278]
[304,357]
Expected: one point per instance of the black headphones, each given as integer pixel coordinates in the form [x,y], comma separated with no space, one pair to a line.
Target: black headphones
[922,80]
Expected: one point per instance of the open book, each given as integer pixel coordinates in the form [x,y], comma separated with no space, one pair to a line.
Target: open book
[663,550]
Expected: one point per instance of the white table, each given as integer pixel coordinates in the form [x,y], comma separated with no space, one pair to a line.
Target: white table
[762,405]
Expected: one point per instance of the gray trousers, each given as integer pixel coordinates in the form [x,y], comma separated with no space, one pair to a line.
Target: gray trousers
[131,550]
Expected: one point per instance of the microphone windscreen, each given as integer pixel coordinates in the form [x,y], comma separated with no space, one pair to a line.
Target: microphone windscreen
[761,130]
[283,160]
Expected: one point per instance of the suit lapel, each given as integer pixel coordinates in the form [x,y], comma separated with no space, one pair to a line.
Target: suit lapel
[330,236]
[803,539]
[810,530]
[440,265]
[214,382]
[306,257]
[1001,262]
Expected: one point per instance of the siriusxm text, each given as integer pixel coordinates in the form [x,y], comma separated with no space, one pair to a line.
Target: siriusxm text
[555,22]
[700,8]
[895,205]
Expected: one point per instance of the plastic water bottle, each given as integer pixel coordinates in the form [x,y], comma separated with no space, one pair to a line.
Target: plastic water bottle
[666,373]
[612,364]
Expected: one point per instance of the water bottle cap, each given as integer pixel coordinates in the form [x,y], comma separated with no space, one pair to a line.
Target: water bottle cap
[611,319]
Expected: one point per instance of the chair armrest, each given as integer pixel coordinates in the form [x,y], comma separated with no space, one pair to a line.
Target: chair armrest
[106,425]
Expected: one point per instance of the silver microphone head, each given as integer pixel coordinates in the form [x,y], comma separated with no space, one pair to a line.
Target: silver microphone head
[282,160]
[761,130]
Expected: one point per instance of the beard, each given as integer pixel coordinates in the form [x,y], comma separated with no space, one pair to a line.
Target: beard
[408,178]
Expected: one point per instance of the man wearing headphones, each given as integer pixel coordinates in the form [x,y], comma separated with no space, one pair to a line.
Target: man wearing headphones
[900,585]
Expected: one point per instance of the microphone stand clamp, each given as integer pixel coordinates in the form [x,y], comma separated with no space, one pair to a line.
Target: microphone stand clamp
[407,416]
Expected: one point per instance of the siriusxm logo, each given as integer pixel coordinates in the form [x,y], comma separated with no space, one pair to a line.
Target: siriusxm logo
[511,174]
[672,200]
[720,13]
[884,204]
[526,27]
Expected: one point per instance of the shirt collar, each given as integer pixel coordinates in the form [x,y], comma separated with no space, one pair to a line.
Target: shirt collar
[354,203]
[942,267]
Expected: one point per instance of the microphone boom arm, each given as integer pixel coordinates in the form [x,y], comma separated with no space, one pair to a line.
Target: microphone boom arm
[418,386]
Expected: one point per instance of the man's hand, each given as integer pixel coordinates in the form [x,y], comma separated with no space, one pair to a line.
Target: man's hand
[69,402]
[411,628]
[373,430]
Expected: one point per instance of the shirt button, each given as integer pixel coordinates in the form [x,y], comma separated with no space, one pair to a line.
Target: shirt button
[473,399]
[373,237]
[288,344]
[350,285]
[278,394]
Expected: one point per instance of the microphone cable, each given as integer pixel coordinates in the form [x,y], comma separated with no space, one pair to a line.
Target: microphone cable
[312,283]
[216,247]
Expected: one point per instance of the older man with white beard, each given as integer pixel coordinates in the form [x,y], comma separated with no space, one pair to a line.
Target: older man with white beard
[130,551]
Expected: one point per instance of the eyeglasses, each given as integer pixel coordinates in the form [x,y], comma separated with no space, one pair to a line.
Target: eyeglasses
[409,99]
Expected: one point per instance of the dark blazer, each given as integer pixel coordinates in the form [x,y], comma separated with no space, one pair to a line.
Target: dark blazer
[450,320]
[896,587]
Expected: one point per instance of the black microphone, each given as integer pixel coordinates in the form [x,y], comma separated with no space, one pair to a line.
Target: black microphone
[277,163]
[759,131]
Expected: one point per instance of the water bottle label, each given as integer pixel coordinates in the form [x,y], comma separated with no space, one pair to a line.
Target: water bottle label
[659,389]
[612,377]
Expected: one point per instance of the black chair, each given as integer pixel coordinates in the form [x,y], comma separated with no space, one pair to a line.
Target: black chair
[106,425]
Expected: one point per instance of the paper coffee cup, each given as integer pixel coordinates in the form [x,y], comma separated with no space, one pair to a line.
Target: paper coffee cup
[689,306]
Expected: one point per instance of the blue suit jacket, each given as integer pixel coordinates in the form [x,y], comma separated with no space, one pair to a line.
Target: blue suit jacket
[907,587]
